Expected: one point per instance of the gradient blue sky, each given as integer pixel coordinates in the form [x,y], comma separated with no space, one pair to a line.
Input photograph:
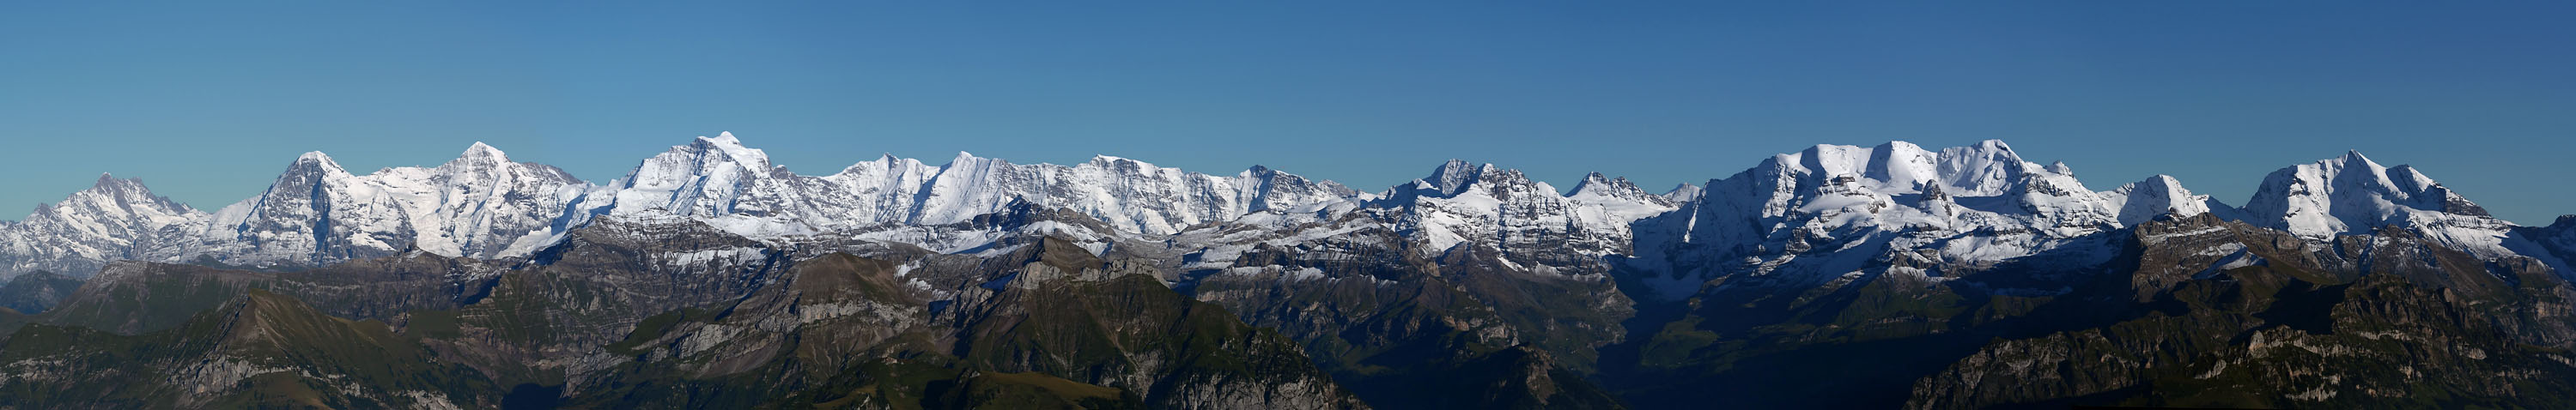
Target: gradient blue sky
[207,101]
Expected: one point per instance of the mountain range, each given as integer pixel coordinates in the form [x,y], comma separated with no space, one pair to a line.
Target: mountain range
[1837,276]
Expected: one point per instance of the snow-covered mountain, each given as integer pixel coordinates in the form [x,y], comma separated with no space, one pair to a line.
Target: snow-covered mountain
[483,205]
[1483,204]
[2142,201]
[1461,210]
[1809,217]
[1824,256]
[318,213]
[115,219]
[2353,195]
[1843,213]
[719,180]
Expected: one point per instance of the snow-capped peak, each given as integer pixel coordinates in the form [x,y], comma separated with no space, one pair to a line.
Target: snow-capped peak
[1682,193]
[1829,210]
[708,177]
[108,183]
[1454,176]
[1986,167]
[477,158]
[1598,188]
[2352,194]
[318,161]
[114,219]
[731,149]
[1463,203]
[703,181]
[484,151]
[2142,201]
[1596,182]
[124,196]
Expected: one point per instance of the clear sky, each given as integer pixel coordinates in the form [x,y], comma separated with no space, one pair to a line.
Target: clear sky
[208,101]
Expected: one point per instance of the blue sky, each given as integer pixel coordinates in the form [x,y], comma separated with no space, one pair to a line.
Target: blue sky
[207,101]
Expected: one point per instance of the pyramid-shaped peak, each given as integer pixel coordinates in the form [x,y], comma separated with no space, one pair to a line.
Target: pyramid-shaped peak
[2160,195]
[2159,183]
[1617,187]
[2356,172]
[725,144]
[481,153]
[2163,180]
[1454,164]
[110,185]
[1596,180]
[2354,160]
[886,161]
[1684,192]
[315,162]
[480,149]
